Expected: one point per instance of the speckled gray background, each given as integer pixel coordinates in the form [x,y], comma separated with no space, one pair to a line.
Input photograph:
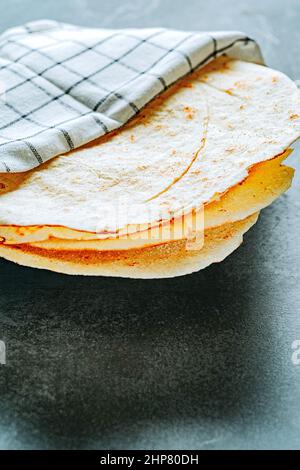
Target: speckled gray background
[202,361]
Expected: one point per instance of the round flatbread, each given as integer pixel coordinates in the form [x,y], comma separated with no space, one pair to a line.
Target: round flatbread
[266,181]
[167,260]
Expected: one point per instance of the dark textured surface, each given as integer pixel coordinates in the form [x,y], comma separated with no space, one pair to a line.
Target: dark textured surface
[202,361]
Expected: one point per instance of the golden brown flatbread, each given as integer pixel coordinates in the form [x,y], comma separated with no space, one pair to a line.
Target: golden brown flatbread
[167,260]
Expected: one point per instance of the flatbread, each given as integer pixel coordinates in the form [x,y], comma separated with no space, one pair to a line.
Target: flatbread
[266,181]
[207,151]
[167,260]
[188,146]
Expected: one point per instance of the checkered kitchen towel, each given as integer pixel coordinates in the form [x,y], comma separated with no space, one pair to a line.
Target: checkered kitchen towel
[62,86]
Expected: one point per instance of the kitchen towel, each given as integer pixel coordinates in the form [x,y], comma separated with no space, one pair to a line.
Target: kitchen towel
[62,86]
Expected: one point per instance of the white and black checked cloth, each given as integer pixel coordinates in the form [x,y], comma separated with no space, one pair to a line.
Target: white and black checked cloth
[62,86]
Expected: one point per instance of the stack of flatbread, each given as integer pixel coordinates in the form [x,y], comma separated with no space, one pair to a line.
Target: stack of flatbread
[171,192]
